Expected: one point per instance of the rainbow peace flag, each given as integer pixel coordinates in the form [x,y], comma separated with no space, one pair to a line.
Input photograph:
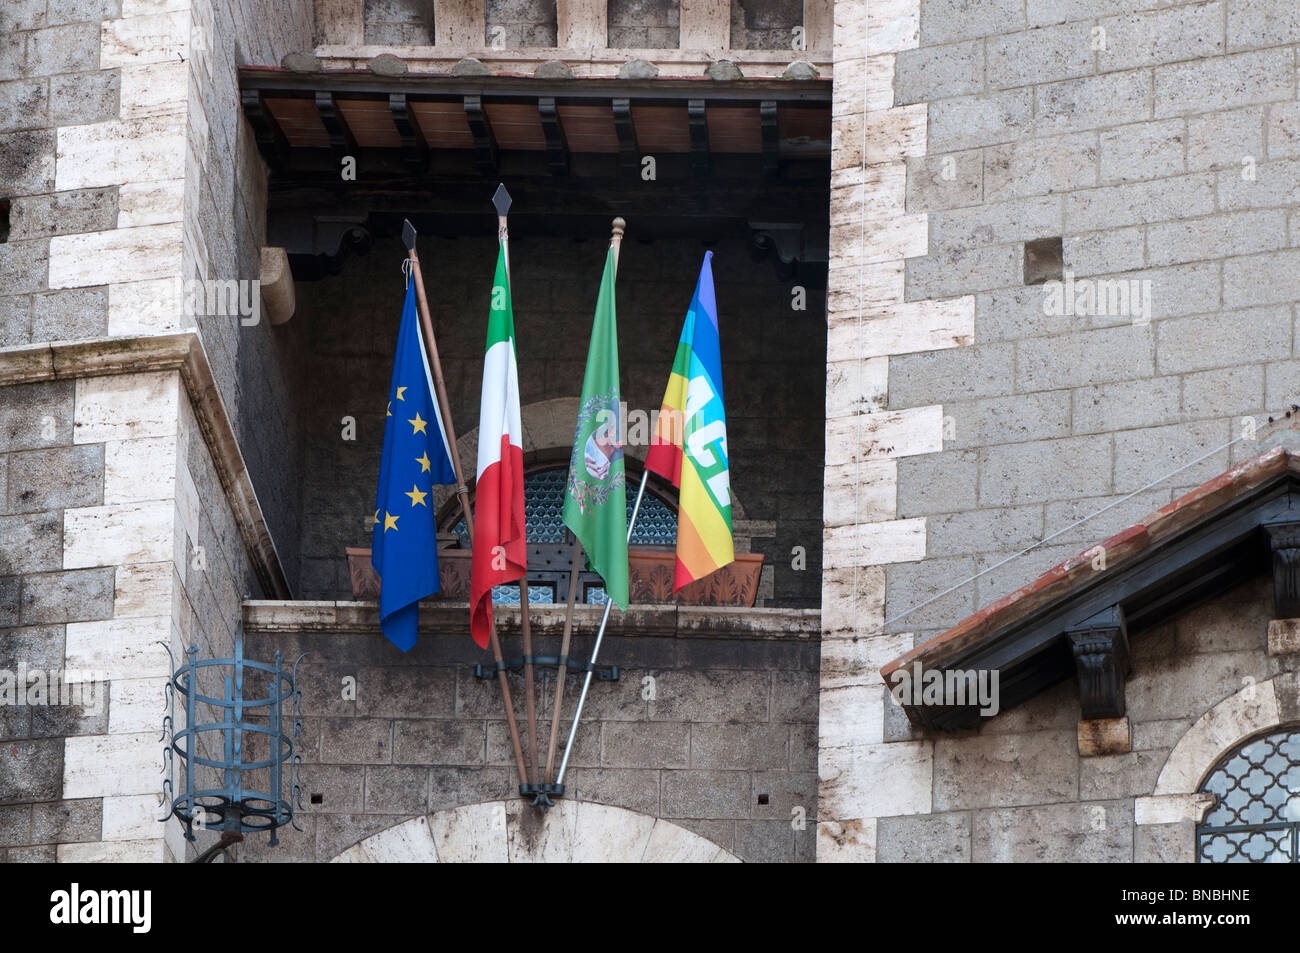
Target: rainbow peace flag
[689,445]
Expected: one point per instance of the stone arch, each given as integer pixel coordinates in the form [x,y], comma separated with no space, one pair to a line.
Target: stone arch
[1252,709]
[512,832]
[547,424]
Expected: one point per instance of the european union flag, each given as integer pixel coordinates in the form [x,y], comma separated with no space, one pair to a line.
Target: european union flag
[404,547]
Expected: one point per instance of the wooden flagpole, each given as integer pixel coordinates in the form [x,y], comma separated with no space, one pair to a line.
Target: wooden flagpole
[462,490]
[562,668]
[502,202]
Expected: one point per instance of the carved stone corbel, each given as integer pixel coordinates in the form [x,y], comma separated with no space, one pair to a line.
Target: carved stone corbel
[277,285]
[1101,658]
[1284,540]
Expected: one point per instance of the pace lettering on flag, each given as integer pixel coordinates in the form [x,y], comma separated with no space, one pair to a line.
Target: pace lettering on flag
[689,446]
[595,501]
[404,545]
[500,551]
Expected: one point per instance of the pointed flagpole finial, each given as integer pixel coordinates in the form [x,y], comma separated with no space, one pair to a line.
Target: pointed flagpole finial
[408,234]
[501,199]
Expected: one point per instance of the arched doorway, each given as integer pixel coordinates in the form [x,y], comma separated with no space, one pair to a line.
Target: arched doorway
[512,832]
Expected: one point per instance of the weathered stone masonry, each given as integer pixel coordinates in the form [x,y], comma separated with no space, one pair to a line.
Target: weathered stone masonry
[132,516]
[1165,156]
[128,167]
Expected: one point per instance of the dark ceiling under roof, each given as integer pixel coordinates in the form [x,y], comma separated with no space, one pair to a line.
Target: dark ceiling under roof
[676,158]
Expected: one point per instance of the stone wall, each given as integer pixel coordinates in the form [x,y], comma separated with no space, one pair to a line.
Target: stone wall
[1017,789]
[127,167]
[644,24]
[772,373]
[134,546]
[39,600]
[721,742]
[258,366]
[965,419]
[512,24]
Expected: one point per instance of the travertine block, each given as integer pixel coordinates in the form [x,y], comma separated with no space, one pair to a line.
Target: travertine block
[120,649]
[126,406]
[874,544]
[131,254]
[119,534]
[1098,736]
[107,765]
[1284,636]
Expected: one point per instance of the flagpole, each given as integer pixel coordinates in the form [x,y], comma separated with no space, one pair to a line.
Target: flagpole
[595,649]
[561,668]
[616,243]
[408,236]
[502,202]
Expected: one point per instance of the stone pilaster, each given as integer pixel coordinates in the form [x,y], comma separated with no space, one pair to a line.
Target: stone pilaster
[872,233]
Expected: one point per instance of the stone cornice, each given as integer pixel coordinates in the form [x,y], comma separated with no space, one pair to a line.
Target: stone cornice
[585,64]
[452,619]
[182,352]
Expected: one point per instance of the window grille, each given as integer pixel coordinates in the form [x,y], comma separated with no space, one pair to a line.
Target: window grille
[1256,817]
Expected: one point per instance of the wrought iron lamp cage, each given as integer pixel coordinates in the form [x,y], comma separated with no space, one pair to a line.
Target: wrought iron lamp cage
[241,770]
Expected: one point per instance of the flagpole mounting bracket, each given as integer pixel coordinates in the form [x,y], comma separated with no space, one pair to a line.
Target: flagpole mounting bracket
[603,673]
[541,794]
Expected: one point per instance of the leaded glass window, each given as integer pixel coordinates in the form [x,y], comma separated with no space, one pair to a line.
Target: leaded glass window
[656,525]
[544,512]
[1256,817]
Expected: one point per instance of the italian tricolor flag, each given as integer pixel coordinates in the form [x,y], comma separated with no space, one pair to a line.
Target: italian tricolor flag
[499,549]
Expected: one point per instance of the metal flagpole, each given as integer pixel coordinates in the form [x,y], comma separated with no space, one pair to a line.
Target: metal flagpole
[408,237]
[502,202]
[595,649]
[616,241]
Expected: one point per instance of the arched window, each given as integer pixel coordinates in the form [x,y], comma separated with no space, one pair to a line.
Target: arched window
[549,539]
[1256,817]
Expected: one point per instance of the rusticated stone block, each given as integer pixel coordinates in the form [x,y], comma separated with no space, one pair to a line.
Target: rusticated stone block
[938,838]
[1000,770]
[1165,843]
[1057,833]
[1284,636]
[67,822]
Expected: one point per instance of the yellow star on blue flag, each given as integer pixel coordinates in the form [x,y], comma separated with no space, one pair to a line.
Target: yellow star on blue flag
[404,544]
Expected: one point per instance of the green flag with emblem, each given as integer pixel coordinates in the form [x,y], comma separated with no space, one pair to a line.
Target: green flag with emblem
[595,502]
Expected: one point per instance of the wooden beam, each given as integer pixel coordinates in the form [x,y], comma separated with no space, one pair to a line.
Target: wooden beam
[699,128]
[415,151]
[629,150]
[459,24]
[659,91]
[771,138]
[341,140]
[582,24]
[557,149]
[705,25]
[485,143]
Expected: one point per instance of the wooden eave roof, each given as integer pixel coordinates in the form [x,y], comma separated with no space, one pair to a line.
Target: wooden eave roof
[1195,548]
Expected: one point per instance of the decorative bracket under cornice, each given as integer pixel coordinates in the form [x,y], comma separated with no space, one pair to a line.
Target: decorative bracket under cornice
[1101,658]
[1284,541]
[317,244]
